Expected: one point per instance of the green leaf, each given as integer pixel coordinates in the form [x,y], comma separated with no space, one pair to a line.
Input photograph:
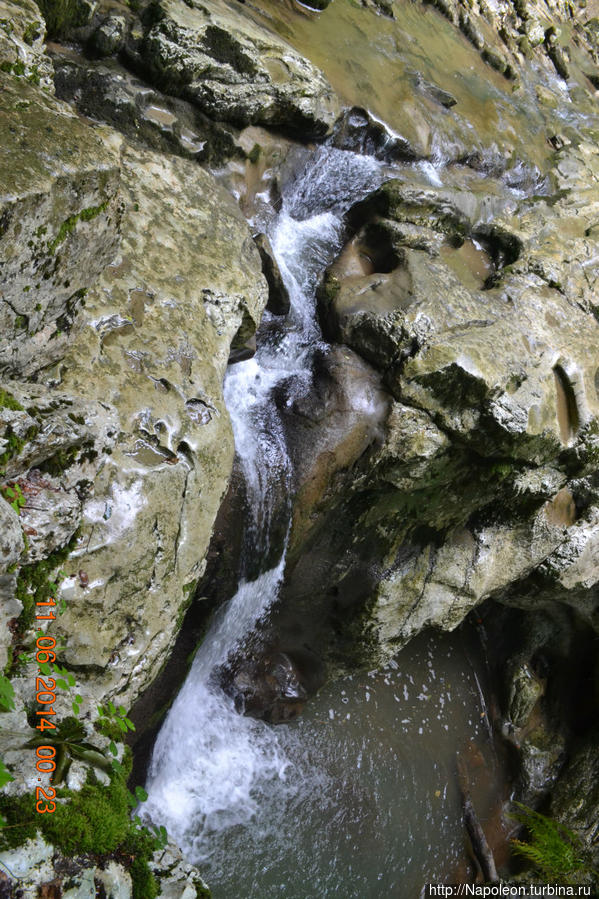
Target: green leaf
[122,711]
[78,698]
[61,682]
[5,775]
[7,694]
[121,725]
[45,669]
[141,794]
[71,680]
[101,712]
[112,747]
[76,708]
[129,723]
[112,708]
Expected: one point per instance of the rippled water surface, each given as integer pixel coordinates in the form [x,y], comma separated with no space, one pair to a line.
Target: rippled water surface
[368,806]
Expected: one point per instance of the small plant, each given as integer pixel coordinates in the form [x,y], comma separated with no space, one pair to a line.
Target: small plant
[5,778]
[5,775]
[553,849]
[13,495]
[70,744]
[66,681]
[113,722]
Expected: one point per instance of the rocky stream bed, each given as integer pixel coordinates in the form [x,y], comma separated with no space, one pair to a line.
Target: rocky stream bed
[299,427]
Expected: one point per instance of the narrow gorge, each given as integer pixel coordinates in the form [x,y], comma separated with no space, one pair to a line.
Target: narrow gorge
[299,446]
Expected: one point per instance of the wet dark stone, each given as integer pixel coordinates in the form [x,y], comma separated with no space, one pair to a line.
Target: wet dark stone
[269,688]
[278,295]
[357,130]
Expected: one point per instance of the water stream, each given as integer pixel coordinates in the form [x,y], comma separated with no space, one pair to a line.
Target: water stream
[358,796]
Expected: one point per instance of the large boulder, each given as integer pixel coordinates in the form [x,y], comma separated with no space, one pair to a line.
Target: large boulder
[154,343]
[234,69]
[59,222]
[479,314]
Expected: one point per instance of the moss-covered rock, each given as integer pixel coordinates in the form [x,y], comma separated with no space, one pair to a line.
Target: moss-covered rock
[22,52]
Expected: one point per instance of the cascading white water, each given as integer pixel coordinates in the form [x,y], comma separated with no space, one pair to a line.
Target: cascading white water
[210,764]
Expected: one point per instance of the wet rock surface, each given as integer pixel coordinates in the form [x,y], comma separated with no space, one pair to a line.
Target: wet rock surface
[445,452]
[234,70]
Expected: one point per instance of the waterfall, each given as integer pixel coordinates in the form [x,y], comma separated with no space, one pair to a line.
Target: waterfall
[357,798]
[210,764]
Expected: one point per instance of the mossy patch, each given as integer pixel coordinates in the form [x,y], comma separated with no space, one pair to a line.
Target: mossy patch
[94,820]
[7,401]
[62,15]
[86,215]
[36,583]
[14,443]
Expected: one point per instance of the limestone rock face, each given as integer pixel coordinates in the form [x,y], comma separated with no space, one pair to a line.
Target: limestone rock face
[234,69]
[105,90]
[153,346]
[127,278]
[478,313]
[59,222]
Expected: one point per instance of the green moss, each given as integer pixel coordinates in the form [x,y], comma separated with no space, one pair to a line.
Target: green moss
[15,444]
[143,881]
[62,15]
[69,224]
[109,729]
[95,820]
[188,591]
[202,892]
[34,76]
[57,463]
[36,583]
[7,401]
[13,68]
[254,154]
[32,32]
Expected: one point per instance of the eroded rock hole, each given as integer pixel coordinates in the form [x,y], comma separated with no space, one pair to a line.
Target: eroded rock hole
[568,417]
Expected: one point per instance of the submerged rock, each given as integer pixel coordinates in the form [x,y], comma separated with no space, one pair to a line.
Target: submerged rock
[269,687]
